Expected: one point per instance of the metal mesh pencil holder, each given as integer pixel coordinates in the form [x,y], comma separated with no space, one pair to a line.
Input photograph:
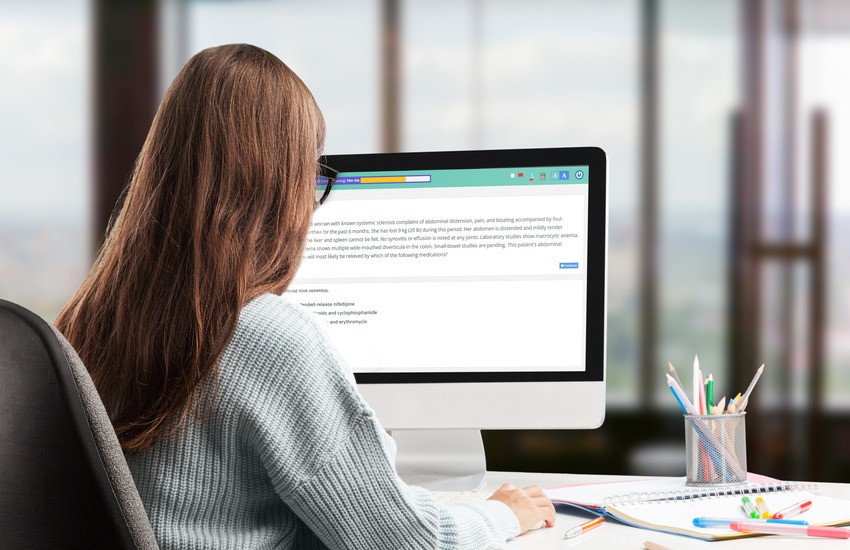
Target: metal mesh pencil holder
[716,449]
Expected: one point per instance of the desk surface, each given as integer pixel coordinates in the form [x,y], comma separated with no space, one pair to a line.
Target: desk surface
[615,535]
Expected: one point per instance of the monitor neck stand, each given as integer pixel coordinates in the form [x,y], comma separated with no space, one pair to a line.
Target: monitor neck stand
[441,460]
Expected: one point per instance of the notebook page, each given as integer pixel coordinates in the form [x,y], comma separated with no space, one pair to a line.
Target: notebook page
[679,516]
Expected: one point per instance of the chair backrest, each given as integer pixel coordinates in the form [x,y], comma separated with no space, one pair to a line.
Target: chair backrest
[63,478]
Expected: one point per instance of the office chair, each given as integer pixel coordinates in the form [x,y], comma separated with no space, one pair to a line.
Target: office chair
[64,482]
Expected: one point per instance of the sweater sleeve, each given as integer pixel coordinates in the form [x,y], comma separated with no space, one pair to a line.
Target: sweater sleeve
[356,500]
[331,461]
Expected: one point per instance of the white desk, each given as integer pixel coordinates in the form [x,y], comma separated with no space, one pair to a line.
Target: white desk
[615,535]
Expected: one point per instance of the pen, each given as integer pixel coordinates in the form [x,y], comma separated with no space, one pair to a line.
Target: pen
[709,393]
[782,529]
[584,527]
[724,522]
[749,509]
[762,508]
[793,510]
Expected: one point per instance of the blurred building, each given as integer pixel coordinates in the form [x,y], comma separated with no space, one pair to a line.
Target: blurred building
[724,122]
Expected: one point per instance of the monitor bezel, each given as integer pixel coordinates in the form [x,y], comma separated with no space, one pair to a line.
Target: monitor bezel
[592,157]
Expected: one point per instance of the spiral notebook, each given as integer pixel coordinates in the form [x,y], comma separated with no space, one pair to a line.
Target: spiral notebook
[668,505]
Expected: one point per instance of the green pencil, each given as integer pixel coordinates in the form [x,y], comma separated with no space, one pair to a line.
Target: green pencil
[709,393]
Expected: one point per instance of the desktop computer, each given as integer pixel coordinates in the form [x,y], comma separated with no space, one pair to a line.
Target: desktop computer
[466,291]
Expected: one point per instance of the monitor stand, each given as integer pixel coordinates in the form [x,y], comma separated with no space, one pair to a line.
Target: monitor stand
[441,460]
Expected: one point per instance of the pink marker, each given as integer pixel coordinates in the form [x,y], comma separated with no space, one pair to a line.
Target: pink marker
[784,529]
[793,510]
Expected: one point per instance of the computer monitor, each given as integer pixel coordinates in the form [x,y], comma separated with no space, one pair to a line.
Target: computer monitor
[466,291]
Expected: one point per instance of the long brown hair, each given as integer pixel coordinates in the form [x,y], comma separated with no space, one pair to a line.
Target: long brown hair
[216,213]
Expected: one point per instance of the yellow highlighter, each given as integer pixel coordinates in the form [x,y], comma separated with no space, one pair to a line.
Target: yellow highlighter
[761,506]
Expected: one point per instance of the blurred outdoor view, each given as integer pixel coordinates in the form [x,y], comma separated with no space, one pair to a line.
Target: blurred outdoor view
[507,74]
[45,110]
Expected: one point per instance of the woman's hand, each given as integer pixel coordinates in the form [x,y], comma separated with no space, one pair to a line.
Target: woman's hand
[529,504]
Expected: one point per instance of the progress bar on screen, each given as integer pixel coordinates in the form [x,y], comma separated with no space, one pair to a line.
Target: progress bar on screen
[351,180]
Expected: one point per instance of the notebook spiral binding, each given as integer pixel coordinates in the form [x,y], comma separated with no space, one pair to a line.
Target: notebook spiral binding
[712,492]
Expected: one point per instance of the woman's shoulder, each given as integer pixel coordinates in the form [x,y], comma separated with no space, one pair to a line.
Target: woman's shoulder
[275,321]
[276,337]
[273,304]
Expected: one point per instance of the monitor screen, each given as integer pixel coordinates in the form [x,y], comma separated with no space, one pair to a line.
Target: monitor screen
[455,267]
[466,291]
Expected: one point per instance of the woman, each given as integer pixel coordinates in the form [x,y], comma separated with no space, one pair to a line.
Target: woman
[241,425]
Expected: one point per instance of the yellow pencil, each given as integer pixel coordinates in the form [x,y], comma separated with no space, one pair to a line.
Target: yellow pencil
[673,373]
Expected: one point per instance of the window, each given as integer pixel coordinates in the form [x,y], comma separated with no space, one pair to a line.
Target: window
[698,100]
[331,44]
[825,87]
[538,74]
[44,152]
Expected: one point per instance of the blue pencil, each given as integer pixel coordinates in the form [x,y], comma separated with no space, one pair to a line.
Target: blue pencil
[676,395]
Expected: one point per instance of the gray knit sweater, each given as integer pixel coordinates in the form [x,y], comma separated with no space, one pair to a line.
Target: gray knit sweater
[291,456]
